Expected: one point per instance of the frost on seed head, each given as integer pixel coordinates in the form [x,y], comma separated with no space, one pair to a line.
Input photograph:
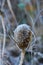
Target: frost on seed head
[22,35]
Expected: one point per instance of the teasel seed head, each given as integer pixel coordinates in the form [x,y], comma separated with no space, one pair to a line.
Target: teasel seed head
[23,36]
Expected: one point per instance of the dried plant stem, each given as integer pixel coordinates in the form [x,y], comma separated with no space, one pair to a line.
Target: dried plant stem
[38,8]
[3,3]
[22,57]
[4,39]
[10,7]
[38,15]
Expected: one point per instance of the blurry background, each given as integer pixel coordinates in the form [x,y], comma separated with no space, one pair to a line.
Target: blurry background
[21,12]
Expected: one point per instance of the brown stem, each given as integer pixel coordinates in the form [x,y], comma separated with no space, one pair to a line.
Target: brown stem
[22,57]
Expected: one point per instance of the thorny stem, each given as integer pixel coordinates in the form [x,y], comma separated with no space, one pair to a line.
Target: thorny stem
[10,7]
[22,57]
[4,39]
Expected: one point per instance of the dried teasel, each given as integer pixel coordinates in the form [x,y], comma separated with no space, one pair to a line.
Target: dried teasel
[23,36]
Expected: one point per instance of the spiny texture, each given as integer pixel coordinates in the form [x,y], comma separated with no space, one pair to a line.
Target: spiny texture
[22,35]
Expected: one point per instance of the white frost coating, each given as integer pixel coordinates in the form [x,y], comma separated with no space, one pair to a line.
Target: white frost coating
[22,26]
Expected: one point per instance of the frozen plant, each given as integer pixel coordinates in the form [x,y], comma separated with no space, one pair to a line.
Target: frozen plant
[22,36]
